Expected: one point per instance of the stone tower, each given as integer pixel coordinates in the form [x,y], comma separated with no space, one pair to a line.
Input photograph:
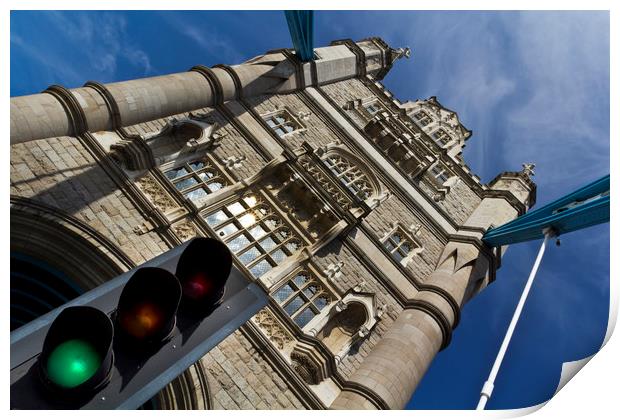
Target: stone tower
[353,210]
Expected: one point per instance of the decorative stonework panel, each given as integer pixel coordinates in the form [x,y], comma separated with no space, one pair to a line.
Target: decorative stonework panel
[156,193]
[185,230]
[276,333]
[326,183]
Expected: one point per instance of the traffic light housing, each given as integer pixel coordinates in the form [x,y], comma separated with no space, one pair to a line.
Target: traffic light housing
[77,354]
[119,344]
[147,308]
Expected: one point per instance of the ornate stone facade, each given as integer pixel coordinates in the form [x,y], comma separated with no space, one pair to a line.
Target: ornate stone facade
[360,216]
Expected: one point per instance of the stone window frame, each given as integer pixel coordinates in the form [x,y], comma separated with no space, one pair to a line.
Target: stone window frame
[439,174]
[408,235]
[377,195]
[237,223]
[439,139]
[364,104]
[361,106]
[423,120]
[375,106]
[288,116]
[219,175]
[441,178]
[297,293]
[349,175]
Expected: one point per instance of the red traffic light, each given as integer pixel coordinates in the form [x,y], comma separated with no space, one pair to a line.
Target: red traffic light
[147,307]
[202,271]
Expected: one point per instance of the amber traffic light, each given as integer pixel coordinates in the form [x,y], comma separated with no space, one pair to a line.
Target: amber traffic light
[147,307]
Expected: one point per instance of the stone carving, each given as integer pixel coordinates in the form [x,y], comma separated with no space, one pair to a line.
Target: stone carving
[361,287]
[306,368]
[234,162]
[400,53]
[303,115]
[276,333]
[414,229]
[342,200]
[185,230]
[333,271]
[177,137]
[156,193]
[528,169]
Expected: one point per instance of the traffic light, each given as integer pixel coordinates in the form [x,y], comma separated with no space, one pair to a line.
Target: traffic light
[119,344]
[147,307]
[77,353]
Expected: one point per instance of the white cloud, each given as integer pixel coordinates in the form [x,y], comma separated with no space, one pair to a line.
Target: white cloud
[51,66]
[564,57]
[215,44]
[102,39]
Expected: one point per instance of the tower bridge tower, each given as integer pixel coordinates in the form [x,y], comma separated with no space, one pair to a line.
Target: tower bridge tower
[353,210]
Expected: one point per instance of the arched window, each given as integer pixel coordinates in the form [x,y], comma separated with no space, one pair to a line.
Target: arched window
[398,246]
[400,242]
[350,175]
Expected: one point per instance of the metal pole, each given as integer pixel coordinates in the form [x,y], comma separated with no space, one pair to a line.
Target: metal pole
[487,388]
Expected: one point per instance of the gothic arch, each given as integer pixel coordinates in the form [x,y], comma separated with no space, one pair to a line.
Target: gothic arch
[189,391]
[339,331]
[376,189]
[65,243]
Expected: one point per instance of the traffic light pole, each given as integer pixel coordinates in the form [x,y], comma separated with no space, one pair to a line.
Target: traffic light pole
[487,389]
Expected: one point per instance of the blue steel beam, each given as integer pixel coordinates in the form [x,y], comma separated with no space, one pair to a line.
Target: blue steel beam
[301,26]
[588,206]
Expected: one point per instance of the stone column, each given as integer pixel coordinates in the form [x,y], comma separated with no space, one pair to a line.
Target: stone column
[391,372]
[96,107]
[397,363]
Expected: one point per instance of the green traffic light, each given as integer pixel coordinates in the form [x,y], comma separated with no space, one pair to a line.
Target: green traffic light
[73,363]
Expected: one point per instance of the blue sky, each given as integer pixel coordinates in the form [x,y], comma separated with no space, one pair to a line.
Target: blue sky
[532,86]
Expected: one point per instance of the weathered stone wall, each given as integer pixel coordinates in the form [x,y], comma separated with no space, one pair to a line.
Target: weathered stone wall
[241,378]
[61,172]
[347,90]
[315,131]
[231,144]
[381,219]
[459,203]
[354,273]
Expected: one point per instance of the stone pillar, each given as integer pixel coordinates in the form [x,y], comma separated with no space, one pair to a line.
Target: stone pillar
[391,372]
[97,107]
[397,363]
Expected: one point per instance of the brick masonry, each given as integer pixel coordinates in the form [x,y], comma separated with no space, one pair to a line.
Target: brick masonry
[231,144]
[241,378]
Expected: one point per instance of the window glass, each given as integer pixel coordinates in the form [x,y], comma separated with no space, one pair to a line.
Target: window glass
[282,124]
[254,234]
[195,180]
[423,118]
[441,137]
[302,297]
[349,175]
[398,245]
[372,109]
